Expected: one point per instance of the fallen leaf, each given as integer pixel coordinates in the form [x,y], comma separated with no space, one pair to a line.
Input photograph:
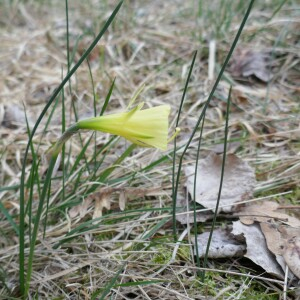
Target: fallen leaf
[222,245]
[257,249]
[102,199]
[292,255]
[273,237]
[101,202]
[231,147]
[81,209]
[281,231]
[267,212]
[185,205]
[282,264]
[291,249]
[245,63]
[13,116]
[238,184]
[289,232]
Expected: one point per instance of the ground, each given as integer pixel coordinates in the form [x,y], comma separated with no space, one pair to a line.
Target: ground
[129,251]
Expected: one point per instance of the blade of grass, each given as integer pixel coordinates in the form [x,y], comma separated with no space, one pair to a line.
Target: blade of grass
[221,185]
[109,170]
[23,285]
[117,217]
[136,283]
[105,174]
[13,224]
[209,99]
[194,192]
[174,152]
[33,176]
[146,168]
[108,97]
[108,287]
[105,148]
[36,222]
[3,277]
[80,155]
[155,228]
[47,208]
[278,9]
[95,110]
[67,35]
[86,145]
[10,188]
[63,124]
[106,101]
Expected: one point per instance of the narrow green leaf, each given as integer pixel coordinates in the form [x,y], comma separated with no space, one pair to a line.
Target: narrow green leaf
[221,184]
[109,170]
[24,285]
[9,218]
[107,97]
[207,103]
[137,283]
[108,286]
[174,189]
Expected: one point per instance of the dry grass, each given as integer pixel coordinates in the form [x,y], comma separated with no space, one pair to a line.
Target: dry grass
[150,43]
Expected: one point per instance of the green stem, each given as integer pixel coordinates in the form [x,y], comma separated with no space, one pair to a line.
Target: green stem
[54,154]
[174,188]
[61,141]
[37,220]
[220,186]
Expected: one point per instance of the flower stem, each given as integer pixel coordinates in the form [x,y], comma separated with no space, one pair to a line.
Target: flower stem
[66,135]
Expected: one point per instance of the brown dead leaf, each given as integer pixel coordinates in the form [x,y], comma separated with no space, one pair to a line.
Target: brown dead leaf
[291,249]
[81,209]
[239,98]
[222,245]
[231,148]
[267,212]
[13,116]
[238,184]
[245,63]
[281,231]
[103,198]
[187,206]
[257,249]
[101,202]
[291,254]
[100,199]
[288,232]
[273,237]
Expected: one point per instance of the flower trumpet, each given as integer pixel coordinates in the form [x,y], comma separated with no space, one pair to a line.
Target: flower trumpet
[147,128]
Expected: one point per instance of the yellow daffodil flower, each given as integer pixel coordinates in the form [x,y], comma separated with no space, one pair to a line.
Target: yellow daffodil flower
[147,127]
